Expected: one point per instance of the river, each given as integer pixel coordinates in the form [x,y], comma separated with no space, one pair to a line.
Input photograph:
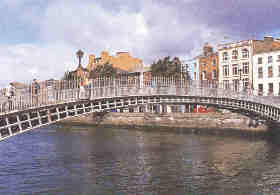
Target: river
[83,160]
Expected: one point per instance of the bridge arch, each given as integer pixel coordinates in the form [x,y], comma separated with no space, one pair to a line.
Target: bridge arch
[17,122]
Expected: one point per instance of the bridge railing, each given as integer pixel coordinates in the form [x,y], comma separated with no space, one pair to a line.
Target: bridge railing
[47,94]
[175,86]
[66,91]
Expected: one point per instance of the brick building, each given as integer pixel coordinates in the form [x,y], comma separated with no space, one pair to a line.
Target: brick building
[266,70]
[208,64]
[123,61]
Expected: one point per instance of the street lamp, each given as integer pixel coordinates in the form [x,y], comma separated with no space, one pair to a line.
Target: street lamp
[80,55]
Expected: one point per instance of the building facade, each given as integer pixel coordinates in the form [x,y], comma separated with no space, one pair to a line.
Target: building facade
[193,68]
[236,62]
[208,64]
[266,73]
[122,60]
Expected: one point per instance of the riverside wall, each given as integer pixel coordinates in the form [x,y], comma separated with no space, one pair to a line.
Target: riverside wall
[216,122]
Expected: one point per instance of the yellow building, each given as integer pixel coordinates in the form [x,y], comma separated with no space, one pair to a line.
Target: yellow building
[122,61]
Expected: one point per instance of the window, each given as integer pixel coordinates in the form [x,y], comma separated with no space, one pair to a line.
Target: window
[194,76]
[214,74]
[245,83]
[270,88]
[245,53]
[225,56]
[260,72]
[236,85]
[269,59]
[245,68]
[226,84]
[226,70]
[278,71]
[234,54]
[278,58]
[260,60]
[234,69]
[203,75]
[214,62]
[260,89]
[270,71]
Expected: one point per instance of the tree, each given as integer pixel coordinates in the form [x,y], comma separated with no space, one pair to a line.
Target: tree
[160,67]
[168,67]
[106,70]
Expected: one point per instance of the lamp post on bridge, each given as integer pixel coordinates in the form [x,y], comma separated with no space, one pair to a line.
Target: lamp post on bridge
[80,55]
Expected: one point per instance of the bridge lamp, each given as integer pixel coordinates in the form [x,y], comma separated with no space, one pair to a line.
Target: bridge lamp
[80,55]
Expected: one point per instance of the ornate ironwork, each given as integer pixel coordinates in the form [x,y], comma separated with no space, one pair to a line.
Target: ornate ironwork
[58,100]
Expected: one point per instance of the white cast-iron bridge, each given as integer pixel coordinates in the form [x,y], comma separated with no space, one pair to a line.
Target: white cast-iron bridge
[59,100]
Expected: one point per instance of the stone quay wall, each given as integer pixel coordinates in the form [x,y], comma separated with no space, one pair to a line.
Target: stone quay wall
[217,122]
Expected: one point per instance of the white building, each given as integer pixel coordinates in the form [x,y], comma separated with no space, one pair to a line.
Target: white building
[266,75]
[193,68]
[236,62]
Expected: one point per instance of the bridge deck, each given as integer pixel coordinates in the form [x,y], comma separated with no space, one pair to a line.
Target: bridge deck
[26,111]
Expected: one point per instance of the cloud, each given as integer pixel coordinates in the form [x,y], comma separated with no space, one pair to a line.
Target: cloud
[44,35]
[94,28]
[145,33]
[23,62]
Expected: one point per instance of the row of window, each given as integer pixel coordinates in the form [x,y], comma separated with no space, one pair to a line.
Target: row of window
[214,63]
[245,85]
[203,75]
[269,59]
[236,84]
[234,54]
[269,70]
[235,70]
[270,89]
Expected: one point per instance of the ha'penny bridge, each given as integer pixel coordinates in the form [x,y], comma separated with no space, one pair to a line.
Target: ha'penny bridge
[63,99]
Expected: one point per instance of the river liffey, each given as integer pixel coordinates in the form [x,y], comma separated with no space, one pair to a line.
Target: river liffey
[102,161]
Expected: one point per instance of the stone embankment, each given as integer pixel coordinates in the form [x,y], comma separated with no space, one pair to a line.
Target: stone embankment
[198,122]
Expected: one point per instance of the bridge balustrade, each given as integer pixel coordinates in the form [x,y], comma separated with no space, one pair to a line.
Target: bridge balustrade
[70,91]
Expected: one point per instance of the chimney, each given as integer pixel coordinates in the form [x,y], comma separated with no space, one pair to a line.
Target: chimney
[207,49]
[268,39]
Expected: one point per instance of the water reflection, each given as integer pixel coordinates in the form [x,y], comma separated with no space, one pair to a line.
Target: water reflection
[86,160]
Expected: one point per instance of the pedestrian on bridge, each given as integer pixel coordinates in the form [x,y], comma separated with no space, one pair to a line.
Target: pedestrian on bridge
[35,87]
[10,93]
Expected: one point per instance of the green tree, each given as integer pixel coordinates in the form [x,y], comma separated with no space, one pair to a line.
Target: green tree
[168,67]
[160,67]
[106,70]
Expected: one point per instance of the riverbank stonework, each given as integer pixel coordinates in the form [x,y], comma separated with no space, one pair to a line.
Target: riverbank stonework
[218,121]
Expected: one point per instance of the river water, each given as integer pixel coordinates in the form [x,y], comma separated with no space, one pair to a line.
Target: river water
[81,160]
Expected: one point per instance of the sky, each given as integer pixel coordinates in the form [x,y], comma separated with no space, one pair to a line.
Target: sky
[39,38]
